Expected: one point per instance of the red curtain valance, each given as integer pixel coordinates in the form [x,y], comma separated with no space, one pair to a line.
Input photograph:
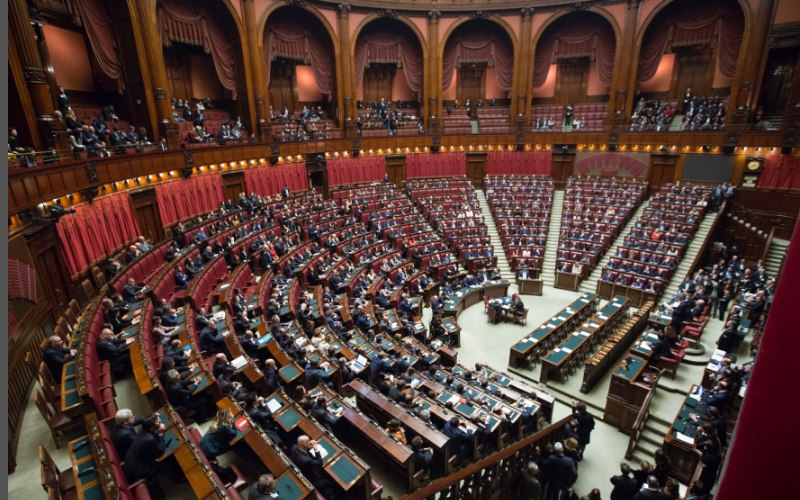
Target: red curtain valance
[518,163]
[391,48]
[355,170]
[718,23]
[480,48]
[183,198]
[185,22]
[267,180]
[586,37]
[781,172]
[291,40]
[95,230]
[97,23]
[436,164]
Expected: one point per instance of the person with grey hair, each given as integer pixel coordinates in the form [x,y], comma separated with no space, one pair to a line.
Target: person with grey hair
[625,487]
[560,472]
[263,489]
[123,433]
[651,492]
[529,486]
[180,394]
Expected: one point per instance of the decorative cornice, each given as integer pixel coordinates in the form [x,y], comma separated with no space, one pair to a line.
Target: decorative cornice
[478,14]
[457,8]
[343,9]
[784,35]
[434,15]
[298,3]
[526,13]
[574,7]
[387,13]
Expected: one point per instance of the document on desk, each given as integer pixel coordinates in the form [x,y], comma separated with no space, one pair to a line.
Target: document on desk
[455,398]
[594,325]
[322,452]
[568,351]
[238,362]
[274,405]
[550,325]
[684,438]
[718,355]
[713,367]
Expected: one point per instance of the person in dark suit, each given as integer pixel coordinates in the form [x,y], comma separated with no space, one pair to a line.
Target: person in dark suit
[124,433]
[132,293]
[113,350]
[181,280]
[231,387]
[585,424]
[625,487]
[423,457]
[317,374]
[323,415]
[263,489]
[305,456]
[529,486]
[379,363]
[212,341]
[456,430]
[652,492]
[54,356]
[560,472]
[180,394]
[708,444]
[147,447]
[285,192]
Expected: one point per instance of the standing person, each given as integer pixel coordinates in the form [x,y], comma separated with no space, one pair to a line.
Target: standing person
[147,446]
[651,492]
[529,486]
[625,486]
[663,463]
[560,471]
[585,424]
[708,444]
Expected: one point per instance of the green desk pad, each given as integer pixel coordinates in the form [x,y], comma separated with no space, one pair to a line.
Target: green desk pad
[71,399]
[93,493]
[465,408]
[633,366]
[684,413]
[176,440]
[289,372]
[83,452]
[325,443]
[69,369]
[288,488]
[70,384]
[264,339]
[345,470]
[164,417]
[87,478]
[289,418]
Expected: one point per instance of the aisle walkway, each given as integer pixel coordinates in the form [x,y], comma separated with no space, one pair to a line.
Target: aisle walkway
[502,262]
[548,274]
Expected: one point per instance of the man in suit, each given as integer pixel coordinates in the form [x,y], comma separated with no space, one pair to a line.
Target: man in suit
[147,447]
[180,394]
[230,387]
[263,489]
[530,488]
[625,486]
[323,415]
[181,280]
[316,374]
[456,430]
[132,293]
[54,356]
[212,341]
[123,434]
[560,472]
[585,424]
[113,350]
[112,269]
[379,363]
[423,457]
[285,192]
[308,459]
[651,493]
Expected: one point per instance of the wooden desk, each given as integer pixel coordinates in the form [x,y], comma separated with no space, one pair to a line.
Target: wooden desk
[568,281]
[469,296]
[530,286]
[679,442]
[630,384]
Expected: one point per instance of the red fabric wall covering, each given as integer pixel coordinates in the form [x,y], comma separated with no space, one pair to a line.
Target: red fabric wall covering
[289,38]
[183,198]
[489,45]
[95,230]
[781,172]
[519,163]
[354,170]
[762,459]
[266,180]
[436,165]
[98,30]
[400,49]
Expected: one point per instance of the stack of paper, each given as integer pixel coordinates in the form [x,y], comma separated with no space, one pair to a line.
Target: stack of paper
[238,362]
[684,438]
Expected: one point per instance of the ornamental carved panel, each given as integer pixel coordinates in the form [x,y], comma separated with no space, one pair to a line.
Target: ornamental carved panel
[91,171]
[188,157]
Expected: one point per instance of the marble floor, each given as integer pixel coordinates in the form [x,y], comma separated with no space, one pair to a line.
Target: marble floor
[481,342]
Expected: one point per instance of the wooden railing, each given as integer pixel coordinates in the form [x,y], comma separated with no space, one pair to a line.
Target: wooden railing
[767,245]
[639,423]
[492,476]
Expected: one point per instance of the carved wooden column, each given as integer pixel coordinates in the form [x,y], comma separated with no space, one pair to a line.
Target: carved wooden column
[49,131]
[151,60]
[348,114]
[623,83]
[750,68]
[260,92]
[433,106]
[523,72]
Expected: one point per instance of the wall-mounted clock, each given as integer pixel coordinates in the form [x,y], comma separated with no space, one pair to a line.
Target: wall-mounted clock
[754,164]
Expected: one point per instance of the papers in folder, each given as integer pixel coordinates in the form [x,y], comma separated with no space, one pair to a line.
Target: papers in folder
[274,405]
[713,367]
[238,362]
[455,398]
[684,438]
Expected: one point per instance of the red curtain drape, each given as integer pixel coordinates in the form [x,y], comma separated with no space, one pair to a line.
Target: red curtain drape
[398,48]
[183,198]
[290,39]
[267,180]
[769,403]
[482,47]
[780,172]
[570,37]
[186,22]
[718,23]
[95,230]
[97,22]
[518,163]
[355,170]
[451,164]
